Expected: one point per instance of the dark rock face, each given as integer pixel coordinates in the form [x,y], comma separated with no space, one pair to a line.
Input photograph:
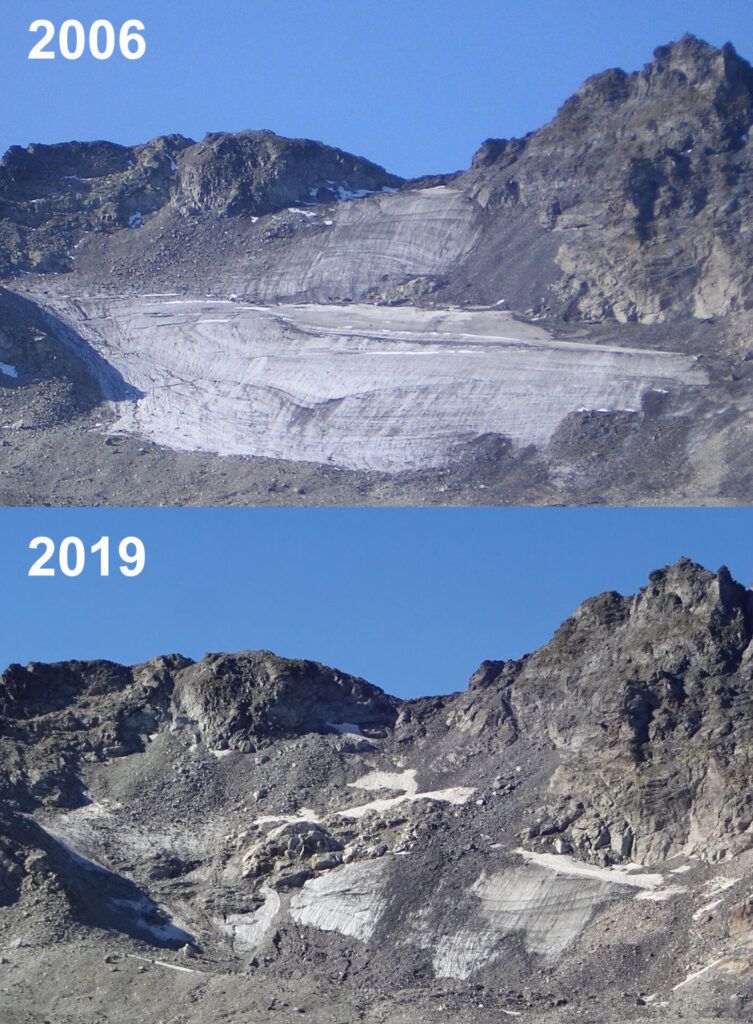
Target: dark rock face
[649,702]
[646,178]
[51,196]
[240,700]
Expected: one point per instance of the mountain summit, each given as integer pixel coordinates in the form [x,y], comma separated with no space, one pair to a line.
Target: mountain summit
[646,180]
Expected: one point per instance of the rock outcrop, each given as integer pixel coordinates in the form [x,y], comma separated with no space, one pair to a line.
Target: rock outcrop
[52,196]
[648,701]
[646,180]
[239,701]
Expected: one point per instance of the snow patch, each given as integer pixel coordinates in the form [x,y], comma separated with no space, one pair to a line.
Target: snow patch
[8,370]
[379,780]
[662,895]
[345,728]
[564,865]
[346,194]
[248,930]
[702,911]
[405,781]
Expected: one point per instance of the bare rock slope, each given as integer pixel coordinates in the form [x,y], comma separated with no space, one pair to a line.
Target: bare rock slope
[567,321]
[252,838]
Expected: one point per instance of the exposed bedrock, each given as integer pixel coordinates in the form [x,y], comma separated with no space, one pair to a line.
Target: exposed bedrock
[646,179]
[647,700]
[236,701]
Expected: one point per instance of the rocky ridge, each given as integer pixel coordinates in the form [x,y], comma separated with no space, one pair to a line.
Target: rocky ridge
[52,196]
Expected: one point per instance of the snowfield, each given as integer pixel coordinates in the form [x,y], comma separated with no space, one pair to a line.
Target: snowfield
[358,386]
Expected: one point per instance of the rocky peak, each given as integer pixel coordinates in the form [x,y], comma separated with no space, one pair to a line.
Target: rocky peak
[701,65]
[674,596]
[636,173]
[687,623]
[716,598]
[258,172]
[687,79]
[240,700]
[650,693]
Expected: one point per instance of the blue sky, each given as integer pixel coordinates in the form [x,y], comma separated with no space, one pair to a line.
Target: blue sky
[412,600]
[413,85]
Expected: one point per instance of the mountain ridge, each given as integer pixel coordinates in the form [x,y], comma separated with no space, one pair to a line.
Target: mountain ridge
[664,646]
[662,137]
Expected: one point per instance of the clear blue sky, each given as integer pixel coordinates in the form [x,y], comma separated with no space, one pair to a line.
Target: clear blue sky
[414,85]
[412,600]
